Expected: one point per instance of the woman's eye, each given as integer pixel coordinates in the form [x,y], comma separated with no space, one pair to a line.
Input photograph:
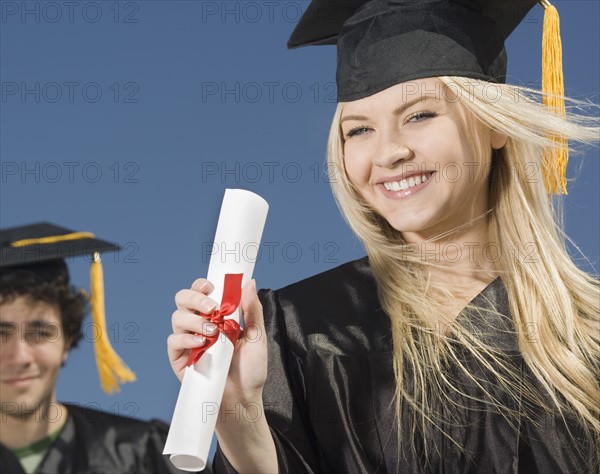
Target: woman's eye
[420,116]
[357,131]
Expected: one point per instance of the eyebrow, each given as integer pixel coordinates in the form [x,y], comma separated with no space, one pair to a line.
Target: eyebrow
[40,324]
[35,324]
[397,110]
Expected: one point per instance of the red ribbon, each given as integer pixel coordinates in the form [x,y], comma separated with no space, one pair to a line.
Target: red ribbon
[232,294]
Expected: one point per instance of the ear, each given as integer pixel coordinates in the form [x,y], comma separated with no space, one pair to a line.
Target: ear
[65,354]
[498,140]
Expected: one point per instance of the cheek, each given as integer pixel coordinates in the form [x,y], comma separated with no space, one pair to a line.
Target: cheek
[358,169]
[51,356]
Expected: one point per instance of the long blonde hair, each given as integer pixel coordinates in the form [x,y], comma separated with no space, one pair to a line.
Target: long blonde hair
[554,304]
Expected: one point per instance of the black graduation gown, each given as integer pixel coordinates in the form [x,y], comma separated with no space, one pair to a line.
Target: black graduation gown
[100,443]
[330,386]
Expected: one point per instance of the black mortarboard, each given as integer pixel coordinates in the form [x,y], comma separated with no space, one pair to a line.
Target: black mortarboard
[41,243]
[386,42]
[381,43]
[42,250]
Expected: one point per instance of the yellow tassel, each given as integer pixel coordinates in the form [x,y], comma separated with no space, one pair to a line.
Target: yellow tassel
[555,158]
[111,368]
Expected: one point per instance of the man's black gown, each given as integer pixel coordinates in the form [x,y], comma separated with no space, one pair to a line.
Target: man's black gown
[329,392]
[94,442]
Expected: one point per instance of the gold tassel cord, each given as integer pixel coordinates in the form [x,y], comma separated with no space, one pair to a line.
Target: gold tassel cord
[52,239]
[555,158]
[111,368]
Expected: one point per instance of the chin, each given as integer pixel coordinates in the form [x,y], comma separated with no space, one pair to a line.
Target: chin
[26,403]
[408,223]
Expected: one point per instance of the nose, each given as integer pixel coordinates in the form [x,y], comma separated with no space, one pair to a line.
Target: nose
[19,351]
[391,150]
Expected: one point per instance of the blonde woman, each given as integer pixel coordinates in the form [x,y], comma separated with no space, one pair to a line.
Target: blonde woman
[467,340]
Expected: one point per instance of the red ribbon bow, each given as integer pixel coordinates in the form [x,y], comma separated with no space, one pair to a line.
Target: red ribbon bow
[232,294]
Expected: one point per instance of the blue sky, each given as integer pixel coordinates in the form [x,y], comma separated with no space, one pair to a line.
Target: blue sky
[129,119]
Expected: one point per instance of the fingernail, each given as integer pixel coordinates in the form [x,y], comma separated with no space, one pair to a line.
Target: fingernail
[210,328]
[207,307]
[199,339]
[203,287]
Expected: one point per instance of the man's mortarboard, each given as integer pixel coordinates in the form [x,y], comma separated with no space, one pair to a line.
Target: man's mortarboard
[381,43]
[41,250]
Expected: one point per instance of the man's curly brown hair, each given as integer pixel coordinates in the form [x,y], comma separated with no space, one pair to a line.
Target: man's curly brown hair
[48,283]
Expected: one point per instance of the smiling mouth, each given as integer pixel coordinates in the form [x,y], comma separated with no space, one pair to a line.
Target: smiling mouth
[19,380]
[407,183]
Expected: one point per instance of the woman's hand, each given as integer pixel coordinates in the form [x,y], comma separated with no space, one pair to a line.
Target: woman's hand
[248,370]
[247,443]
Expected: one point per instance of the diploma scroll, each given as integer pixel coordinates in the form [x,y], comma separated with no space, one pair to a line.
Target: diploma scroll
[235,249]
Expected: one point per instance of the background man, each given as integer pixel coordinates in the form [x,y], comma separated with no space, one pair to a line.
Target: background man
[41,316]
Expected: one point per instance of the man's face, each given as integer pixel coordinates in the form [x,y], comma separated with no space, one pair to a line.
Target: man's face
[32,350]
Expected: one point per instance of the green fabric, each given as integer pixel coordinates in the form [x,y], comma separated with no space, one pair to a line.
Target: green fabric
[31,455]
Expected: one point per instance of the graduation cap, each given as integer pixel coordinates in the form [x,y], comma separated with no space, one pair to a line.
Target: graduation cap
[381,43]
[41,250]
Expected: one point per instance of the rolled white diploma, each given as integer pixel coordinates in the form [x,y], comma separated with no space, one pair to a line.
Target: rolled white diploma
[235,249]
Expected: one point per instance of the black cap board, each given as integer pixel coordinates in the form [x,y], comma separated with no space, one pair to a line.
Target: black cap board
[381,43]
[44,242]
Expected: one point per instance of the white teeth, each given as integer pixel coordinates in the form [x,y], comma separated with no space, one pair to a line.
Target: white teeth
[405,183]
